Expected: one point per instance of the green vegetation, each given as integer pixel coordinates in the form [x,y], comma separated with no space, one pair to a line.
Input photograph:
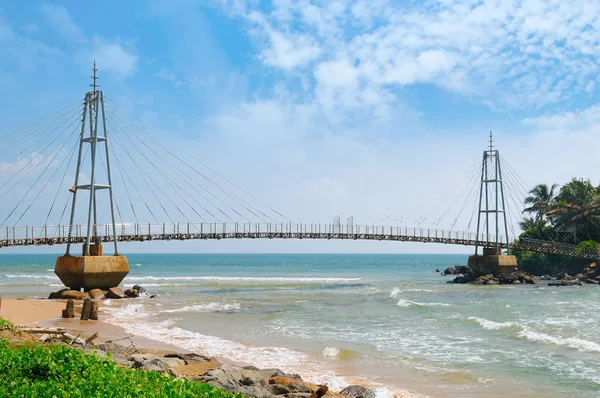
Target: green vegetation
[33,370]
[7,325]
[571,215]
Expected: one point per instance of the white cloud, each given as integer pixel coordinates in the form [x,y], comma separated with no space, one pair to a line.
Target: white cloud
[509,54]
[115,58]
[59,19]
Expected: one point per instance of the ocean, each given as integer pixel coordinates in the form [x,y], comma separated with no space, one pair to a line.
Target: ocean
[388,321]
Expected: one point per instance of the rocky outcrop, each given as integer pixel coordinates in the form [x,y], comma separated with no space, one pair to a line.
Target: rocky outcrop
[467,275]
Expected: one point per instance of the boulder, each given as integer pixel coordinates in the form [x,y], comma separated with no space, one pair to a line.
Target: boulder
[115,293]
[450,271]
[74,295]
[96,294]
[528,279]
[151,362]
[591,281]
[237,379]
[133,293]
[356,391]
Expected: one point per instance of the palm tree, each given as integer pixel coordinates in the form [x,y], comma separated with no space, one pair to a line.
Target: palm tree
[540,201]
[578,208]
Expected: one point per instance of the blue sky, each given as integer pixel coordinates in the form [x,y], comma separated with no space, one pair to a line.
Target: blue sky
[326,107]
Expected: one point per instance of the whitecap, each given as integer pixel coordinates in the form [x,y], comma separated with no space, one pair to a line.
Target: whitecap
[491,325]
[331,351]
[571,342]
[408,303]
[209,307]
[247,279]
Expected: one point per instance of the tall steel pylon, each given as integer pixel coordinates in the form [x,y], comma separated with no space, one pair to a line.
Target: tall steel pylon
[93,111]
[491,195]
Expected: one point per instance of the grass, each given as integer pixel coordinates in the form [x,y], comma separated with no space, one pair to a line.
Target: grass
[55,371]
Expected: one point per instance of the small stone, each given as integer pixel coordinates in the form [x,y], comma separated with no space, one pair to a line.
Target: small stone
[133,293]
[115,293]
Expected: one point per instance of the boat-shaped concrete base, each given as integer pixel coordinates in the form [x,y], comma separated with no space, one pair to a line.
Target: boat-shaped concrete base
[493,263]
[91,272]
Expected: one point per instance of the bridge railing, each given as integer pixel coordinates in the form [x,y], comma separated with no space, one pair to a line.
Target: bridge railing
[35,234]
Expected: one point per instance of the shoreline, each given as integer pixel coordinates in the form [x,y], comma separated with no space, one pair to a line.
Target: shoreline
[46,313]
[39,312]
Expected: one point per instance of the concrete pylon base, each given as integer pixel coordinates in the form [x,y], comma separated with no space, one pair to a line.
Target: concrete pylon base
[492,263]
[91,272]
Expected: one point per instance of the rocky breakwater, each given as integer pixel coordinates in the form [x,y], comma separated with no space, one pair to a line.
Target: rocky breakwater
[249,380]
[97,294]
[464,274]
[589,275]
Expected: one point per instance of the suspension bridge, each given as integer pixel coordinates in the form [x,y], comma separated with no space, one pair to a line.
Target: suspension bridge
[147,177]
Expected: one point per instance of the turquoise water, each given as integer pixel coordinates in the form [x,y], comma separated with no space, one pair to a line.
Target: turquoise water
[386,320]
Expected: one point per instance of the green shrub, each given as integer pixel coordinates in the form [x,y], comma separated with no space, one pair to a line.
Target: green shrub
[59,371]
[7,325]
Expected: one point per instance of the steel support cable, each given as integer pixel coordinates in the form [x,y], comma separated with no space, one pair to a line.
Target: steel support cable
[111,187]
[60,186]
[463,206]
[83,158]
[141,174]
[187,180]
[427,202]
[35,126]
[123,172]
[197,160]
[27,164]
[37,150]
[244,204]
[49,179]
[169,181]
[37,179]
[159,171]
[514,197]
[26,144]
[470,184]
[178,172]
[118,141]
[472,174]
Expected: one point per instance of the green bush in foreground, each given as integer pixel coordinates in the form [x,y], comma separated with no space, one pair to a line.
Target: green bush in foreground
[59,371]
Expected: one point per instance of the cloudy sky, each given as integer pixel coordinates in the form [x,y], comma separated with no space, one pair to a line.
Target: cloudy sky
[325,108]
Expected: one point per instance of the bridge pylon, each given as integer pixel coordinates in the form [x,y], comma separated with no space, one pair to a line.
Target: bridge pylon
[492,212]
[92,270]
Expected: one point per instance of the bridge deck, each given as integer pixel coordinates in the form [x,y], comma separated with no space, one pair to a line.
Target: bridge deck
[62,234]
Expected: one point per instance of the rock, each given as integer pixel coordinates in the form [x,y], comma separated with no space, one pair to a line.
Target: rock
[563,275]
[96,294]
[592,265]
[450,271]
[517,282]
[56,295]
[115,293]
[153,296]
[580,276]
[140,289]
[151,362]
[529,279]
[278,389]
[510,278]
[591,281]
[74,295]
[133,293]
[294,385]
[235,378]
[565,283]
[322,390]
[437,270]
[356,391]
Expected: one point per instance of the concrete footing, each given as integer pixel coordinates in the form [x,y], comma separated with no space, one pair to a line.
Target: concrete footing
[493,263]
[91,272]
